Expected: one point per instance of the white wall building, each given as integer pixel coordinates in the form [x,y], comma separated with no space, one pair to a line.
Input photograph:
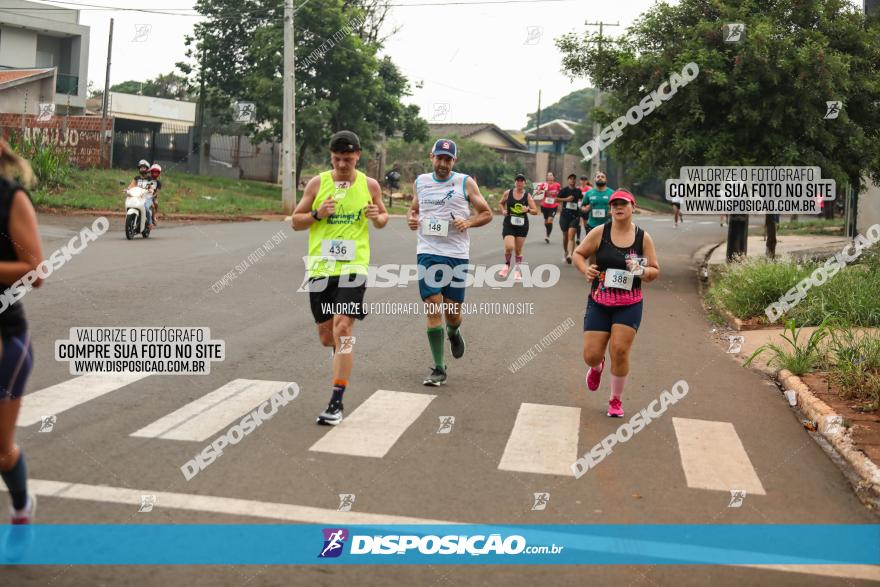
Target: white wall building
[35,35]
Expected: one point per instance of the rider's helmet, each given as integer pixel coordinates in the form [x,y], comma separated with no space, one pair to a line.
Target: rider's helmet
[156,170]
[143,163]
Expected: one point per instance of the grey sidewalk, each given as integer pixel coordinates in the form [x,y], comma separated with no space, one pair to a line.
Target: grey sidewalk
[785,245]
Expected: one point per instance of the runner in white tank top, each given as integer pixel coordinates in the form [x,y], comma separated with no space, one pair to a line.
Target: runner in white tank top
[441,213]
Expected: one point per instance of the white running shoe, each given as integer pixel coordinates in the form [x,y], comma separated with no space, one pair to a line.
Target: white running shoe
[25,515]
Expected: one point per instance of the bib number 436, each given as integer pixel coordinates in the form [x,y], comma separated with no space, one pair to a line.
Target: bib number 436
[341,250]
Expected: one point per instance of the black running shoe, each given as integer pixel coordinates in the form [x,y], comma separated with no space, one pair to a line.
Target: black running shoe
[332,415]
[456,342]
[436,378]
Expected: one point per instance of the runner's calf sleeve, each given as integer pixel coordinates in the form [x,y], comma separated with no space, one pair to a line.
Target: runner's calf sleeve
[435,340]
[507,258]
[16,481]
[518,259]
[617,383]
[549,228]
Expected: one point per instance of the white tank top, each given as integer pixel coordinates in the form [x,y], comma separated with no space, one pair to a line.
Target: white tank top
[440,201]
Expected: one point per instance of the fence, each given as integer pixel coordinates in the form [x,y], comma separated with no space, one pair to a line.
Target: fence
[175,147]
[85,138]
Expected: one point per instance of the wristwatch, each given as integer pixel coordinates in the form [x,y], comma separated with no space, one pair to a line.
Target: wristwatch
[314,214]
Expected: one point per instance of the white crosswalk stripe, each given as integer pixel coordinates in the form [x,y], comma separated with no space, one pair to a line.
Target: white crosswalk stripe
[66,395]
[212,412]
[713,457]
[544,440]
[373,428]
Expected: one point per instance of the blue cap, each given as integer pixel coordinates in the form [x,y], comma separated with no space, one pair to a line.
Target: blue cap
[445,147]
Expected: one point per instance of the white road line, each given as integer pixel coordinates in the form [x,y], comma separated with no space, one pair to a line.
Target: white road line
[373,428]
[865,572]
[544,440]
[713,456]
[71,393]
[215,505]
[664,220]
[212,412]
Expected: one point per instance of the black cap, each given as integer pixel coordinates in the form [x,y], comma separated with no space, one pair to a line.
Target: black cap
[520,176]
[345,141]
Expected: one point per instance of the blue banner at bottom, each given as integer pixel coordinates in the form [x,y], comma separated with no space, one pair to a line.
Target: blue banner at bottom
[453,544]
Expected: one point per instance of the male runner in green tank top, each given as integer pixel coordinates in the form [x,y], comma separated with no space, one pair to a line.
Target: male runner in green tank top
[336,207]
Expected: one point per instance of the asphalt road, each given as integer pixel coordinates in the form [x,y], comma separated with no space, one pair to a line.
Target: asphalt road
[454,477]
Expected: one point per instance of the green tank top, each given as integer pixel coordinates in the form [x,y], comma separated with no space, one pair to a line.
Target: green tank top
[341,243]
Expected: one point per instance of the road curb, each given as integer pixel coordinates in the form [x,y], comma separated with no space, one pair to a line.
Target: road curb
[864,474]
[701,258]
[830,426]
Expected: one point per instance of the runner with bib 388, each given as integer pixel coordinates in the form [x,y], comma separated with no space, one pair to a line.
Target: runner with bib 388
[625,257]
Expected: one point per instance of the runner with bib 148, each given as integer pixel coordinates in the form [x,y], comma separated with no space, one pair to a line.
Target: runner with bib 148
[441,213]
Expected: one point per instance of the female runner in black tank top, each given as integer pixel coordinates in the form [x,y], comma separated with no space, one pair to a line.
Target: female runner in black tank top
[624,258]
[515,205]
[20,253]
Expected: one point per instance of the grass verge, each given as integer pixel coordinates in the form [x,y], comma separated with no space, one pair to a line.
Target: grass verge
[747,288]
[182,193]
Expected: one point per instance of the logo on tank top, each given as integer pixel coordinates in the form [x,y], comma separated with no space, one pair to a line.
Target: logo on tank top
[439,202]
[343,216]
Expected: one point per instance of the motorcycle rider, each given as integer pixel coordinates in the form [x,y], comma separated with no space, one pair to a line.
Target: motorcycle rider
[153,187]
[140,180]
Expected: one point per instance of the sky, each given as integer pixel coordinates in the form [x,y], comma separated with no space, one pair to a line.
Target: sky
[478,62]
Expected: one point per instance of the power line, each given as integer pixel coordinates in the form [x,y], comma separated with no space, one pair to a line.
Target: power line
[192,12]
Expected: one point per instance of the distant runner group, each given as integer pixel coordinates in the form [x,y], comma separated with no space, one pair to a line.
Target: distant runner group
[615,256]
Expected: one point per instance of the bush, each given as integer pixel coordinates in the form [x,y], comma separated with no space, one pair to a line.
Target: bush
[802,358]
[854,365]
[747,287]
[51,163]
[474,159]
[852,295]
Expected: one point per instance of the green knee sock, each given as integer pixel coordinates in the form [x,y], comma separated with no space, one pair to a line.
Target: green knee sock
[435,339]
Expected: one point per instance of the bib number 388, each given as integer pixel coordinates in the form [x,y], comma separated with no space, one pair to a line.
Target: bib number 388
[619,279]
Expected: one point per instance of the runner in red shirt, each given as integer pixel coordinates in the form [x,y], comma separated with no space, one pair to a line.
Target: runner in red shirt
[549,205]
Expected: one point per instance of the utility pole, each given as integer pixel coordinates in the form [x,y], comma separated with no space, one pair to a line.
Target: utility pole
[597,96]
[538,124]
[106,99]
[288,135]
[200,131]
[105,103]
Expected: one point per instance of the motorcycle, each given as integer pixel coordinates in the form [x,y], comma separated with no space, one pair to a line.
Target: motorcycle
[136,213]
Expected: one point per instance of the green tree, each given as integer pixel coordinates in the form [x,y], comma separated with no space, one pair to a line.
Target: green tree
[340,81]
[575,106]
[760,101]
[474,159]
[167,85]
